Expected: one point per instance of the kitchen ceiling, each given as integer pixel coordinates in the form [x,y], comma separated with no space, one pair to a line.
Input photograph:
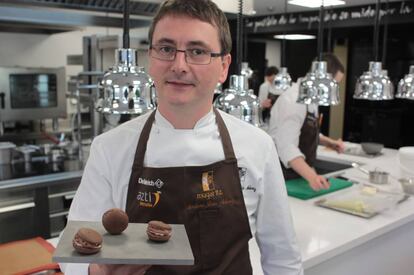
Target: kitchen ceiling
[265,7]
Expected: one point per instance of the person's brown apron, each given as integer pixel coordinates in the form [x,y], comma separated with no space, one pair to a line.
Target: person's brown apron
[208,200]
[308,143]
[266,111]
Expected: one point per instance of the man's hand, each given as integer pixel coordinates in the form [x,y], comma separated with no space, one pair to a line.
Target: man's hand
[338,145]
[117,269]
[267,103]
[318,183]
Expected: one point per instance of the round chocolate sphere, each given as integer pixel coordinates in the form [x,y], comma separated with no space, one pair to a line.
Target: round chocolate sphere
[115,221]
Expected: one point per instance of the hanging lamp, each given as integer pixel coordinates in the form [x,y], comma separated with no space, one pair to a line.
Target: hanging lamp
[318,86]
[406,86]
[282,79]
[126,88]
[238,100]
[373,84]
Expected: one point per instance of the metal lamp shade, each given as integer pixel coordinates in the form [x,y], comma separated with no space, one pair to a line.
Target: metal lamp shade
[126,89]
[240,102]
[319,87]
[406,86]
[374,84]
[283,80]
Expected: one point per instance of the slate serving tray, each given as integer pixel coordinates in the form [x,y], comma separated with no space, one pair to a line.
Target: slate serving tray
[131,247]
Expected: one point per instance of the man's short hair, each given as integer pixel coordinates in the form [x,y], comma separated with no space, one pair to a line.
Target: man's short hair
[272,70]
[333,63]
[204,10]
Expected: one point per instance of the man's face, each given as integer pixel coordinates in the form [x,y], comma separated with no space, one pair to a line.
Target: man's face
[178,83]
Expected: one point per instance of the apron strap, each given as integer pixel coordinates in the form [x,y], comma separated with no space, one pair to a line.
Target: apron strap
[225,138]
[142,142]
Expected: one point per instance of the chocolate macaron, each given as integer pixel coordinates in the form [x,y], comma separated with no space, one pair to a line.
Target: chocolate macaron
[115,221]
[87,241]
[158,231]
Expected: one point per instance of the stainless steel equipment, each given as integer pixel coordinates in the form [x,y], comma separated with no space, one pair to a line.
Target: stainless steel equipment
[375,176]
[6,152]
[126,88]
[283,80]
[32,93]
[406,86]
[318,87]
[374,84]
[240,102]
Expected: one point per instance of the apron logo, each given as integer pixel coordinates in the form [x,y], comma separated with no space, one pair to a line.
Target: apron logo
[158,183]
[207,181]
[148,199]
[208,187]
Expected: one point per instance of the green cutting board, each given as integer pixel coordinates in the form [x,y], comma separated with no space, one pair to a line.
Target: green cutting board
[299,188]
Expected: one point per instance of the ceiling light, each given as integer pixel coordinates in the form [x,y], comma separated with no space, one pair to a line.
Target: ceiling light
[294,36]
[316,3]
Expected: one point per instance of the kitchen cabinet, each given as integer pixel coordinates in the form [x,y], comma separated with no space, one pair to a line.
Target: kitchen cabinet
[36,206]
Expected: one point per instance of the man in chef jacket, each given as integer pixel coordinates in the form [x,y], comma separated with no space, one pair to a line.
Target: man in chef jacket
[268,92]
[294,128]
[200,163]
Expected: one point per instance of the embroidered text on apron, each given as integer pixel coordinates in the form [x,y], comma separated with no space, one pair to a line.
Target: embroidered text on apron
[308,143]
[208,200]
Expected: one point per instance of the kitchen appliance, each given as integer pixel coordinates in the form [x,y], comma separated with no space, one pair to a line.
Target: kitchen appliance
[32,93]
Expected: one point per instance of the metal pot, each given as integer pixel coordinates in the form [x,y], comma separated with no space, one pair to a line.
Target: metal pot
[376,176]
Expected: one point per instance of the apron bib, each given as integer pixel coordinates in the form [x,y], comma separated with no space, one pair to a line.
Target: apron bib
[308,143]
[208,200]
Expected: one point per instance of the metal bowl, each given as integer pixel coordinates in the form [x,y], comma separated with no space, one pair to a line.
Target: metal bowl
[371,148]
[407,185]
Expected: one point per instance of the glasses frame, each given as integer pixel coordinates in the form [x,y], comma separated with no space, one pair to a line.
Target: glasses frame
[185,55]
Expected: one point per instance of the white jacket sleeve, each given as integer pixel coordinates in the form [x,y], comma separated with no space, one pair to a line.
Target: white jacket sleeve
[275,233]
[286,120]
[263,92]
[93,197]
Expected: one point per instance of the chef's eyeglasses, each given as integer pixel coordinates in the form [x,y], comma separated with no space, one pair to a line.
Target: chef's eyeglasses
[196,56]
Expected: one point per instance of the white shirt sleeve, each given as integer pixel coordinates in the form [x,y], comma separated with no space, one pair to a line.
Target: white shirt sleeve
[92,198]
[263,91]
[279,252]
[286,120]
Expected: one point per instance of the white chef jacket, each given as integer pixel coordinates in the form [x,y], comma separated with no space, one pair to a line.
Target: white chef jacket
[286,120]
[266,88]
[106,176]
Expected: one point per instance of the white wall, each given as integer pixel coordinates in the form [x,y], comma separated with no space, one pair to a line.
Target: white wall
[273,53]
[42,50]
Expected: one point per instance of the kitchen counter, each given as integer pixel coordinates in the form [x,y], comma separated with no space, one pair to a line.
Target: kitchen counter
[336,243]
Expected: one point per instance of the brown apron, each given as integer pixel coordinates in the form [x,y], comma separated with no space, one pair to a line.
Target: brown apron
[266,111]
[208,200]
[308,143]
